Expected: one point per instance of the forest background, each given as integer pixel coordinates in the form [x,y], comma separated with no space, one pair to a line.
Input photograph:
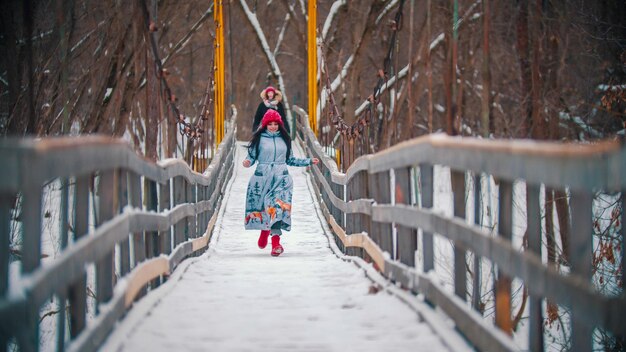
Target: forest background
[547,70]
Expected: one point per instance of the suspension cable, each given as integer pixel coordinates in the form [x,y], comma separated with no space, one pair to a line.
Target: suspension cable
[353,131]
[186,128]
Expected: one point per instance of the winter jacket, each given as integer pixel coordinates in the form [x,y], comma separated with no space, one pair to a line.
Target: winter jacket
[270,189]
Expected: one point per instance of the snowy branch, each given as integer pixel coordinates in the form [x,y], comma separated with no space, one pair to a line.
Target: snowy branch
[181,43]
[254,21]
[281,36]
[384,87]
[387,8]
[438,40]
[331,16]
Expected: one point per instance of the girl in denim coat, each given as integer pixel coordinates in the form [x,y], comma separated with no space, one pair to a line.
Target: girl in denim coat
[268,199]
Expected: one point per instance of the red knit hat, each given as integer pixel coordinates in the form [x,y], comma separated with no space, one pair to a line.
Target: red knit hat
[271,115]
[270,88]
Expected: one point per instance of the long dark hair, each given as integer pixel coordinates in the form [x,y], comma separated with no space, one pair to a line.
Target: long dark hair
[256,140]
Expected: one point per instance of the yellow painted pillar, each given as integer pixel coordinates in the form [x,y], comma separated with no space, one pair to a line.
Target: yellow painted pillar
[219,72]
[312,64]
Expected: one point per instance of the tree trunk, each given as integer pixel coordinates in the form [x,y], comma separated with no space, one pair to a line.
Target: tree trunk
[551,243]
[429,71]
[449,79]
[152,97]
[524,62]
[9,26]
[28,14]
[486,73]
[538,129]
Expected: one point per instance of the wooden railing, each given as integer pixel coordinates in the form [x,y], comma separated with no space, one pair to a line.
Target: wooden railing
[139,237]
[358,206]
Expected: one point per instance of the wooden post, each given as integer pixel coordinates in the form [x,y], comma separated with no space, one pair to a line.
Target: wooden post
[77,293]
[5,233]
[407,237]
[364,219]
[31,253]
[179,227]
[139,245]
[503,282]
[190,220]
[460,272]
[63,235]
[426,175]
[384,197]
[104,267]
[165,236]
[123,202]
[581,252]
[533,212]
[151,204]
[477,279]
[350,218]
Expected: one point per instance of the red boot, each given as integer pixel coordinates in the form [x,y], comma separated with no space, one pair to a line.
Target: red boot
[263,238]
[277,249]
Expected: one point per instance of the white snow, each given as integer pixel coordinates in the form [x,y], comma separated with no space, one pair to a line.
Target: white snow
[331,16]
[236,297]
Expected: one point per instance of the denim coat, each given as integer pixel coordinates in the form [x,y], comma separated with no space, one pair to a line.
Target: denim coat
[268,199]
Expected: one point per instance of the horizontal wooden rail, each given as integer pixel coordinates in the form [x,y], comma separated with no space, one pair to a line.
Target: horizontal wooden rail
[187,220]
[580,168]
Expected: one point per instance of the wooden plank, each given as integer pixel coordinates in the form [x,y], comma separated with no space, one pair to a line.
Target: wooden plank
[460,273]
[362,206]
[503,281]
[407,237]
[543,281]
[77,292]
[536,342]
[100,328]
[581,253]
[426,176]
[105,267]
[165,236]
[475,328]
[554,164]
[143,274]
[477,279]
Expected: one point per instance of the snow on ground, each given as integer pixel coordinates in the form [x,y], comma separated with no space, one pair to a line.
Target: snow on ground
[236,297]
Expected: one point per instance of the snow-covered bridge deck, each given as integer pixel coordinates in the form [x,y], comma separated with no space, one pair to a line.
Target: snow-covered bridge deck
[236,297]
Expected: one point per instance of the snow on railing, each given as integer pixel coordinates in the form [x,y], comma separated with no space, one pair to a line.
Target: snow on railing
[377,206]
[148,218]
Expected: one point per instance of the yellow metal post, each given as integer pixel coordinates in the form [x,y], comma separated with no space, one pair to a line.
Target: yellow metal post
[219,74]
[312,66]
